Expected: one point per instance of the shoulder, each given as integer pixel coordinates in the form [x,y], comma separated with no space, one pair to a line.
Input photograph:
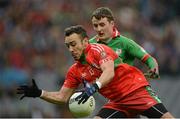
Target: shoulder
[95,47]
[94,51]
[73,67]
[126,40]
[122,39]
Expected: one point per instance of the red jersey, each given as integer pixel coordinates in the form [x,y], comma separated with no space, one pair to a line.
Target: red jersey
[126,80]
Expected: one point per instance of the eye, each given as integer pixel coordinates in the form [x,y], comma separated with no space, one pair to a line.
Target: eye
[102,24]
[95,25]
[73,44]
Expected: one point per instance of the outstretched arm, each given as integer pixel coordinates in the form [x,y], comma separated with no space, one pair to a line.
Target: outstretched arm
[62,96]
[137,51]
[58,97]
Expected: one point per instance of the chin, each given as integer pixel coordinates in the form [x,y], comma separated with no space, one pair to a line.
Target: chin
[76,59]
[101,37]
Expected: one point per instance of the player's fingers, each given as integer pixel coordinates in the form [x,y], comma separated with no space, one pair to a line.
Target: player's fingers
[146,74]
[158,77]
[79,102]
[78,97]
[84,100]
[22,97]
[20,92]
[80,90]
[34,83]
[84,83]
[22,87]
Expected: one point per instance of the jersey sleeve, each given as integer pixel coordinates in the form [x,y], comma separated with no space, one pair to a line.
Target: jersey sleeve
[151,62]
[99,54]
[71,80]
[137,51]
[133,48]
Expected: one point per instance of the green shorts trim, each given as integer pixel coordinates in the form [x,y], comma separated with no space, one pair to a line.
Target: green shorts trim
[153,94]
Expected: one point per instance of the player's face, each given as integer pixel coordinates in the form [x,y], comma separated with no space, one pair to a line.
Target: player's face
[103,27]
[75,44]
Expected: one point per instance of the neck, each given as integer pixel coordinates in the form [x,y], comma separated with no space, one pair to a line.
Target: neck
[82,58]
[106,41]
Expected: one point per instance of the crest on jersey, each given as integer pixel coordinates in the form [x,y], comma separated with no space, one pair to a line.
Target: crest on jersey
[118,51]
[103,54]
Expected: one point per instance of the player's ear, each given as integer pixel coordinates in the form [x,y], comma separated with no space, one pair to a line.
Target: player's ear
[112,23]
[86,40]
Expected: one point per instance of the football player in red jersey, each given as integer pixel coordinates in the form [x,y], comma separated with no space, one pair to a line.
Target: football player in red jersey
[101,70]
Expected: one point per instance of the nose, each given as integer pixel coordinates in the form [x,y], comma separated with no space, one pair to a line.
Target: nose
[99,28]
[70,48]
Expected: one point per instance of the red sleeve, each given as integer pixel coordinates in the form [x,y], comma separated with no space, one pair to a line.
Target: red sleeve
[100,54]
[145,57]
[71,80]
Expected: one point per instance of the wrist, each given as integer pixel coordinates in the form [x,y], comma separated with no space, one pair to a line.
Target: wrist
[42,93]
[99,84]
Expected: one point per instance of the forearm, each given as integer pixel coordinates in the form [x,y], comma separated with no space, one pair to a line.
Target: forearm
[106,77]
[58,97]
[90,89]
[153,72]
[53,97]
[151,62]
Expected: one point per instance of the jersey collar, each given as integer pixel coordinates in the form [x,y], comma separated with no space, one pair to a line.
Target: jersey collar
[87,48]
[115,34]
[82,59]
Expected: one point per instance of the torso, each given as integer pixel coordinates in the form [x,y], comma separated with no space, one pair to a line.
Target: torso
[126,79]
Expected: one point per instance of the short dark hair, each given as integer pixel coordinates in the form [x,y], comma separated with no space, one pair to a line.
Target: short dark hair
[102,12]
[78,29]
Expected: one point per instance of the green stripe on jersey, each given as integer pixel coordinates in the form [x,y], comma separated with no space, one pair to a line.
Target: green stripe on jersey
[153,94]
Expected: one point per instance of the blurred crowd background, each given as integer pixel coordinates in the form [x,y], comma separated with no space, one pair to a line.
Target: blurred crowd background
[32,45]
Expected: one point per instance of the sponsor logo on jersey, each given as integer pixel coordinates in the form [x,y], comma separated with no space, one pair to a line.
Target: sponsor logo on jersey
[95,65]
[83,75]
